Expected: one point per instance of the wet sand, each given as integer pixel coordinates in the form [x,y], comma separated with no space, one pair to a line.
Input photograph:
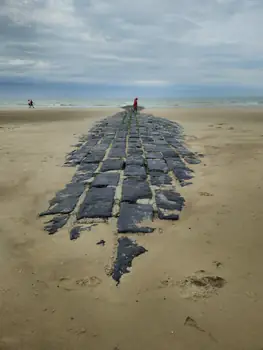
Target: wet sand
[54,293]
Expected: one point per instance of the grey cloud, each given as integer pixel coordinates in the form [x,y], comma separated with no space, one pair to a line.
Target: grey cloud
[184,41]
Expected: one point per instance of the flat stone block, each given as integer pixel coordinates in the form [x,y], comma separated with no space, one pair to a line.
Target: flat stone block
[117,153]
[134,189]
[55,224]
[133,214]
[135,160]
[112,164]
[154,155]
[159,179]
[157,165]
[164,216]
[98,203]
[106,179]
[135,170]
[182,174]
[169,153]
[192,160]
[175,163]
[169,199]
[82,177]
[65,200]
[88,167]
[126,252]
[94,157]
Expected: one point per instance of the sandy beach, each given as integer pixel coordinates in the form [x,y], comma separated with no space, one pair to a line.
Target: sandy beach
[45,302]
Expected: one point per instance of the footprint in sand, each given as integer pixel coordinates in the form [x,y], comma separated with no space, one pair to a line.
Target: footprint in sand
[200,285]
[69,284]
[168,282]
[206,194]
[92,281]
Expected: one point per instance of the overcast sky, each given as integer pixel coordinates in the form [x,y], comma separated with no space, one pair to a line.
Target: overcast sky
[133,42]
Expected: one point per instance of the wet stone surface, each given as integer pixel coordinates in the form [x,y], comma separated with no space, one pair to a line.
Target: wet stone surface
[134,189]
[106,179]
[135,170]
[82,177]
[127,166]
[112,164]
[169,199]
[56,223]
[157,165]
[135,160]
[143,150]
[132,215]
[127,251]
[160,179]
[98,203]
[65,200]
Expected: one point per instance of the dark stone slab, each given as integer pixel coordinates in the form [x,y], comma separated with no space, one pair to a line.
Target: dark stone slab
[169,153]
[154,155]
[135,160]
[147,139]
[126,252]
[112,164]
[134,146]
[182,174]
[169,199]
[163,216]
[134,189]
[94,157]
[135,141]
[159,179]
[88,167]
[133,214]
[135,170]
[192,160]
[175,163]
[82,177]
[65,200]
[117,153]
[160,142]
[150,148]
[106,179]
[98,150]
[75,231]
[184,184]
[119,145]
[135,152]
[75,158]
[55,224]
[157,165]
[98,203]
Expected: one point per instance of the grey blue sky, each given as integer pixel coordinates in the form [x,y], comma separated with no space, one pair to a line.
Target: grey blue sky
[140,43]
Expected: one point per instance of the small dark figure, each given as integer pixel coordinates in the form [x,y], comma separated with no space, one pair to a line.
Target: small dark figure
[135,105]
[101,242]
[30,103]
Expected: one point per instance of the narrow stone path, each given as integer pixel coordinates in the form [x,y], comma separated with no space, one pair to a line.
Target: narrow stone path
[128,167]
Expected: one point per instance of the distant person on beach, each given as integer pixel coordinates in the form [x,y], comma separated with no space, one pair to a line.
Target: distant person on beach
[135,105]
[30,103]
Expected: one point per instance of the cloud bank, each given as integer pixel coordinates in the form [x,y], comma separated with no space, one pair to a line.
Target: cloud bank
[135,43]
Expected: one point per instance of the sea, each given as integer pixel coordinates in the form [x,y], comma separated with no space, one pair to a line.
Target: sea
[146,103]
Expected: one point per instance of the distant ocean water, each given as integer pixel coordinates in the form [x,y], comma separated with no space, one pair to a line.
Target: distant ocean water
[147,103]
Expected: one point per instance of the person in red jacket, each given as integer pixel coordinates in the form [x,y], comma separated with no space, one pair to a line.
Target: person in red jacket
[135,104]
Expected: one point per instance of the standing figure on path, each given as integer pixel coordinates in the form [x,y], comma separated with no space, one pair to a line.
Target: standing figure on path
[135,105]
